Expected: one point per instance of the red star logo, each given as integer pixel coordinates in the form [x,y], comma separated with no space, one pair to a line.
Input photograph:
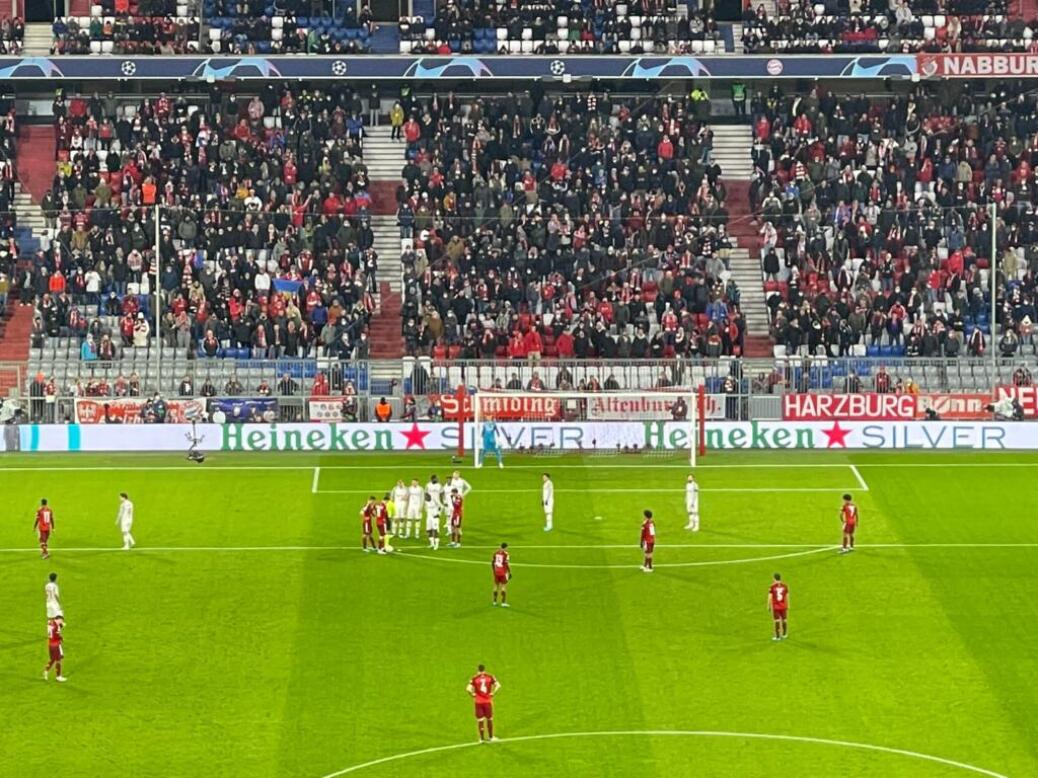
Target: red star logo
[837,435]
[415,436]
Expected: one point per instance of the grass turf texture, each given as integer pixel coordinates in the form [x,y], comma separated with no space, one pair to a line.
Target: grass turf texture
[306,661]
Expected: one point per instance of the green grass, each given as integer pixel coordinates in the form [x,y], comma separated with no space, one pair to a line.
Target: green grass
[305,661]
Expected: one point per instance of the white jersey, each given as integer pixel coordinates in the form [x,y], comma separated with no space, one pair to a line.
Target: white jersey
[432,515]
[125,519]
[414,502]
[53,600]
[692,497]
[400,495]
[435,492]
[459,483]
[548,496]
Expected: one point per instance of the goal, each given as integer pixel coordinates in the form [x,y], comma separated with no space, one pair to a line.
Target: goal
[653,422]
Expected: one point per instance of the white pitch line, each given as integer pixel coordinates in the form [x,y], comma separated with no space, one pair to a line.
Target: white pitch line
[857,474]
[316,481]
[405,549]
[675,733]
[540,467]
[632,490]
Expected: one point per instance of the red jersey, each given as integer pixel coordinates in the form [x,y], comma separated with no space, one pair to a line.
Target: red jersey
[500,562]
[778,594]
[53,633]
[483,687]
[648,531]
[381,514]
[368,514]
[849,514]
[457,506]
[44,519]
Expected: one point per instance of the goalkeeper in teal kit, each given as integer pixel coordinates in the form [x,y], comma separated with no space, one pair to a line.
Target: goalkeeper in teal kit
[490,444]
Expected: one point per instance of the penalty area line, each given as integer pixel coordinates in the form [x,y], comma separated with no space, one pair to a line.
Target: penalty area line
[861,481]
[676,733]
[316,481]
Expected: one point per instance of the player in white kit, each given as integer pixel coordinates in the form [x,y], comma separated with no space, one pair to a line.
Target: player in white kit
[125,521]
[413,515]
[548,501]
[692,503]
[459,483]
[400,510]
[50,589]
[432,520]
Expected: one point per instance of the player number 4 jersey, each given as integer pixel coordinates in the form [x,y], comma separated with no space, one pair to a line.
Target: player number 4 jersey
[483,687]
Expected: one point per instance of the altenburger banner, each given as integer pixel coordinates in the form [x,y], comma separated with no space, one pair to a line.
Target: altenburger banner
[588,436]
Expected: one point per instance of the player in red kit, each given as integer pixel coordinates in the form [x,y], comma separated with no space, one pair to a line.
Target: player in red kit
[54,639]
[849,520]
[648,541]
[44,525]
[502,574]
[383,524]
[367,520]
[457,508]
[482,688]
[778,604]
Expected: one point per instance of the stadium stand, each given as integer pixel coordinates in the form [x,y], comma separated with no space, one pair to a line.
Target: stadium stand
[875,228]
[264,235]
[12,35]
[581,226]
[130,27]
[563,27]
[903,26]
[287,26]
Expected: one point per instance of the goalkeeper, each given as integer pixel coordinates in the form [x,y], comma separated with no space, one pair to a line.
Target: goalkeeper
[490,443]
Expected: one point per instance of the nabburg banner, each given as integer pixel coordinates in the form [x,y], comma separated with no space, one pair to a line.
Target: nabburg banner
[977,65]
[850,407]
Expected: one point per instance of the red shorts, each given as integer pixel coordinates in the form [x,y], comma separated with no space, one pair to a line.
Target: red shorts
[455,523]
[501,578]
[484,710]
[366,527]
[849,528]
[56,653]
[44,535]
[382,529]
[779,613]
[649,546]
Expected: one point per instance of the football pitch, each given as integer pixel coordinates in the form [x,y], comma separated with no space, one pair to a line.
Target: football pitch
[248,635]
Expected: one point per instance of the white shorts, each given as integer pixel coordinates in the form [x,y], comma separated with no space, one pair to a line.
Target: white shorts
[53,610]
[126,526]
[549,508]
[414,514]
[432,523]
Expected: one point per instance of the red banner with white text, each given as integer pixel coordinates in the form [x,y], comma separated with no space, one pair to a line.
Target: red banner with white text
[1027,396]
[977,65]
[502,407]
[127,410]
[849,407]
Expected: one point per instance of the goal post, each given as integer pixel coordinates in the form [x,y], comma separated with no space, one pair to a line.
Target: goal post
[652,422]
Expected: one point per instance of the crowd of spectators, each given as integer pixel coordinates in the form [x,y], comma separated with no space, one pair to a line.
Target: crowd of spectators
[579,225]
[875,225]
[12,35]
[562,27]
[265,243]
[891,26]
[130,27]
[287,27]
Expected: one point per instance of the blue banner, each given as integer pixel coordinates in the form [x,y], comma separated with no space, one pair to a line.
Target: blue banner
[238,409]
[458,67]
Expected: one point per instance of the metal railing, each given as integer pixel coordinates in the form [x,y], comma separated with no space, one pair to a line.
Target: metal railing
[752,387]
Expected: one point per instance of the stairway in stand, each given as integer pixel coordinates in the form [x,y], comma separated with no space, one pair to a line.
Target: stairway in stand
[732,143]
[385,159]
[38,39]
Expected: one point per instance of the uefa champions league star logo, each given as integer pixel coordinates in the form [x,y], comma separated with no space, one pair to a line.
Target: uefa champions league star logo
[557,67]
[339,67]
[128,68]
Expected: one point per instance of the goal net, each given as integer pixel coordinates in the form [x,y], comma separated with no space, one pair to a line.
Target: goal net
[655,422]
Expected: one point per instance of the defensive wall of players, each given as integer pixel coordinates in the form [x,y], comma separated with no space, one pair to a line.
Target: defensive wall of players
[529,439]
